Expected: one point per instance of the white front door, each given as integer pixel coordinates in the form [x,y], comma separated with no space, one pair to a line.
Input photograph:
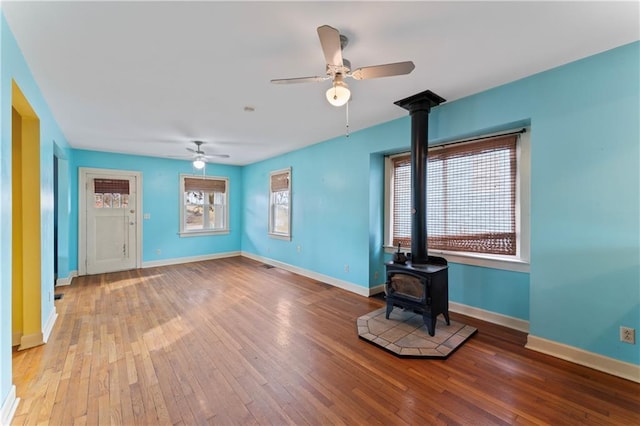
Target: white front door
[111,225]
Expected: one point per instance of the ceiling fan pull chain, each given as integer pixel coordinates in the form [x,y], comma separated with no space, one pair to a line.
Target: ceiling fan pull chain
[347,109]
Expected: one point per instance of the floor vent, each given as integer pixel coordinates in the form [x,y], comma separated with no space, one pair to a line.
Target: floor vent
[58,296]
[265,266]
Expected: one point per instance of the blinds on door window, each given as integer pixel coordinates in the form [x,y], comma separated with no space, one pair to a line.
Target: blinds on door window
[111,186]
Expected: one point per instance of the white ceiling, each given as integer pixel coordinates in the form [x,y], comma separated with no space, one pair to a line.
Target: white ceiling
[148,77]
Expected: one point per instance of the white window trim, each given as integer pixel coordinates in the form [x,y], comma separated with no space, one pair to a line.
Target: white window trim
[518,263]
[203,232]
[279,235]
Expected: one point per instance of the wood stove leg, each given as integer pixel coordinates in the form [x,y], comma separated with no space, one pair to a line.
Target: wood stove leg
[430,323]
[446,317]
[389,309]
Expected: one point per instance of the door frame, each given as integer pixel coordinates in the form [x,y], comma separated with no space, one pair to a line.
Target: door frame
[82,213]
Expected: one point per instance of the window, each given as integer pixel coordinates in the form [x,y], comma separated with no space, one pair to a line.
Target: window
[477,200]
[110,193]
[280,204]
[204,208]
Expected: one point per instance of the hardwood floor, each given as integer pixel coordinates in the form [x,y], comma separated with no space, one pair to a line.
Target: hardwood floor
[231,342]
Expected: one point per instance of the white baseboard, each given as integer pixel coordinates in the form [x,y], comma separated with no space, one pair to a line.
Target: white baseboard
[345,285]
[36,339]
[470,311]
[377,289]
[48,327]
[66,280]
[481,314]
[492,317]
[488,316]
[588,359]
[179,260]
[9,407]
[30,341]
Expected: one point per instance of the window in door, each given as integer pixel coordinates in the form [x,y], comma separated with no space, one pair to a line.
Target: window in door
[111,193]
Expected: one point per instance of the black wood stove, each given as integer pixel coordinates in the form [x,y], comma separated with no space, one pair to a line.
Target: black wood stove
[420,283]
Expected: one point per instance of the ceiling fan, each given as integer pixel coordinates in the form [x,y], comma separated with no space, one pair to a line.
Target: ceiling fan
[200,158]
[339,68]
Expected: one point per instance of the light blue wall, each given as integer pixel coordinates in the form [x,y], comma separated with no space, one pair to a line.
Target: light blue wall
[585,250]
[64,212]
[585,192]
[160,199]
[14,67]
[376,220]
[5,224]
[330,205]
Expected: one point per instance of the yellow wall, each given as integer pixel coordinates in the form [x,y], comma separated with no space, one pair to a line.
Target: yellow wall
[26,218]
[16,209]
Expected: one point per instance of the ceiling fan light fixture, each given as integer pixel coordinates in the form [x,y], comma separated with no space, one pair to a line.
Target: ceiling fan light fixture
[198,163]
[338,94]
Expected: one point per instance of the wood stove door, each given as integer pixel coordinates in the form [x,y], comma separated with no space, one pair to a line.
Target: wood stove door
[408,286]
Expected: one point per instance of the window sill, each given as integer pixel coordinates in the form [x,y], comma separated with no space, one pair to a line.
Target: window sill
[280,237]
[203,233]
[484,260]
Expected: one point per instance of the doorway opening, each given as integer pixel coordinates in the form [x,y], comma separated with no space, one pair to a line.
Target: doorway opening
[26,277]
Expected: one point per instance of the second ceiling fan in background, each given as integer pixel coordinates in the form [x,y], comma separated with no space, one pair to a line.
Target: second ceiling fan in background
[200,158]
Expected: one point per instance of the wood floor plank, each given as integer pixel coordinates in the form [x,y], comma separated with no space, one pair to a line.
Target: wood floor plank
[229,341]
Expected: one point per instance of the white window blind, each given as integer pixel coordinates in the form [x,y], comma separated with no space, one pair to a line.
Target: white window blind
[471,197]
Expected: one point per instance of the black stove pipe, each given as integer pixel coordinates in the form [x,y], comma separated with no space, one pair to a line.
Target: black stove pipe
[419,106]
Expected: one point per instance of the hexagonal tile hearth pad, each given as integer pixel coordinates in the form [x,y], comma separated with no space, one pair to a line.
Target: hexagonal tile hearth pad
[404,334]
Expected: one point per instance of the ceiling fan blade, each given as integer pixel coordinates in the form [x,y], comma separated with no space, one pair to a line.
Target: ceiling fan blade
[191,150]
[217,155]
[330,41]
[298,80]
[386,70]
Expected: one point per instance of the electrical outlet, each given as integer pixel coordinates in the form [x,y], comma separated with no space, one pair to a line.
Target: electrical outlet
[628,335]
[299,249]
[346,268]
[158,251]
[375,275]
